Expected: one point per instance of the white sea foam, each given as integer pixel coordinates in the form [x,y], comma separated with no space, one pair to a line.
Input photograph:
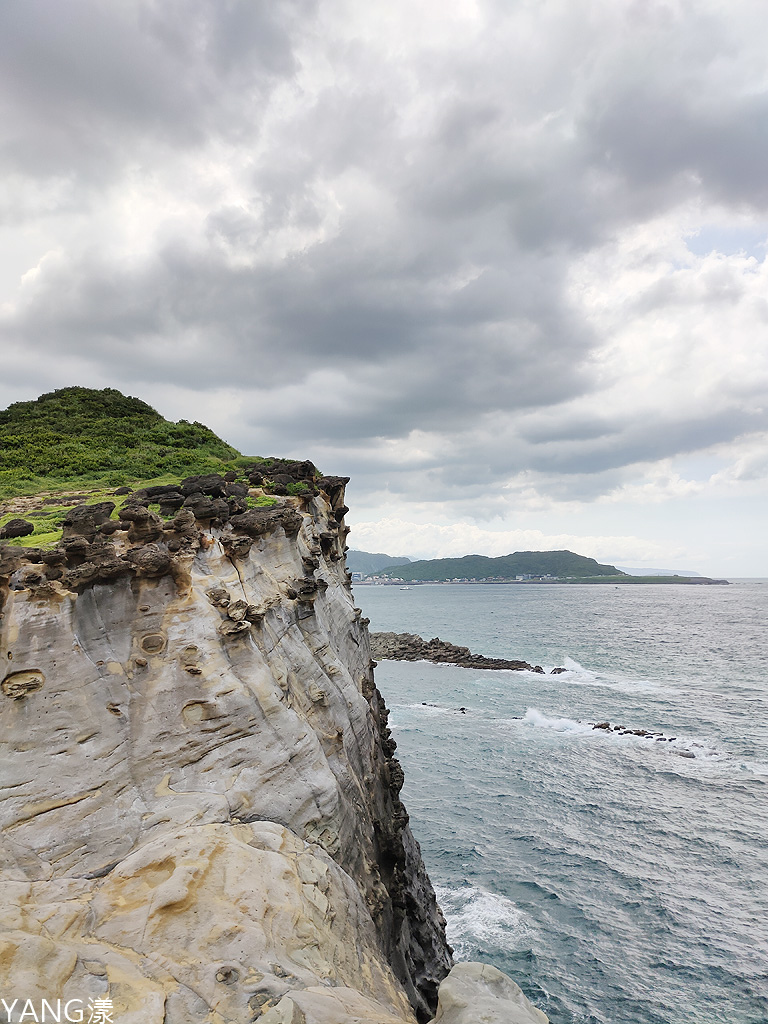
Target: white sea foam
[541,721]
[476,917]
[685,746]
[578,675]
[576,668]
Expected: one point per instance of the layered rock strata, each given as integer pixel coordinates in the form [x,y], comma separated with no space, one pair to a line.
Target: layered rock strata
[200,804]
[200,810]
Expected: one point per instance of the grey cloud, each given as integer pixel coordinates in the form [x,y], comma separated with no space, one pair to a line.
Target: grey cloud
[662,142]
[429,272]
[87,86]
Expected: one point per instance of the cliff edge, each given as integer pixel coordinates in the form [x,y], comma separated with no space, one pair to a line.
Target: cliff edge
[200,800]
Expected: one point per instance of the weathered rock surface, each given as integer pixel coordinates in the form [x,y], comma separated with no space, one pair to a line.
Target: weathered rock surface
[479,994]
[410,647]
[200,814]
[16,528]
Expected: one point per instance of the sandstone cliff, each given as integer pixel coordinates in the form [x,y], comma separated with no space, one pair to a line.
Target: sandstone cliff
[200,800]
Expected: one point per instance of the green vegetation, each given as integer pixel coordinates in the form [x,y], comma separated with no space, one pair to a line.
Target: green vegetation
[78,436]
[297,489]
[47,518]
[260,501]
[521,563]
[77,445]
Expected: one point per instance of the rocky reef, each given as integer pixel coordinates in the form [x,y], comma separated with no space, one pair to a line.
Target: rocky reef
[411,647]
[200,806]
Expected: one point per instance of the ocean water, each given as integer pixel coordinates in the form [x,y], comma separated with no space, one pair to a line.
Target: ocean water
[618,879]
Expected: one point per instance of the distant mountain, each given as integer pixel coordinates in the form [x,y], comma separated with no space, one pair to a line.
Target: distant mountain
[521,563]
[368,562]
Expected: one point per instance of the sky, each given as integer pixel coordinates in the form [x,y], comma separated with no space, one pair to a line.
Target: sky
[501,263]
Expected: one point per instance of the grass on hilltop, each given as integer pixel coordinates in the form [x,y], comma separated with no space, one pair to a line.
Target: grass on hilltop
[87,442]
[78,436]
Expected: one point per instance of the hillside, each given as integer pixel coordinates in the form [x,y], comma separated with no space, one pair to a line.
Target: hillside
[80,435]
[520,563]
[370,561]
[78,445]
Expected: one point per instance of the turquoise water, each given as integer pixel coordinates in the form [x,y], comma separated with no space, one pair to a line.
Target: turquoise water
[618,879]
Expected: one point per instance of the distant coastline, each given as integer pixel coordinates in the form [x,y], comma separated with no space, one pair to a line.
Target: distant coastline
[587,580]
[518,567]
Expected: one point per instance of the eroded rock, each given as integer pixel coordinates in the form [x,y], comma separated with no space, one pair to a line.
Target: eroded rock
[220,834]
[410,647]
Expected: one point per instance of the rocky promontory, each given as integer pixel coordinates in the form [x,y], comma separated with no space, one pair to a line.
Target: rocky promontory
[411,647]
[200,812]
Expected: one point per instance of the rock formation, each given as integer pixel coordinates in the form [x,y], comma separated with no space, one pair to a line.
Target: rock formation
[411,647]
[200,800]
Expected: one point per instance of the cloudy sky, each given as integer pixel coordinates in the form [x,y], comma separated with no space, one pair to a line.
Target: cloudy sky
[502,263]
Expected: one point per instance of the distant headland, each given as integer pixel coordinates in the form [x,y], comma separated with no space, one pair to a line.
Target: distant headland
[526,567]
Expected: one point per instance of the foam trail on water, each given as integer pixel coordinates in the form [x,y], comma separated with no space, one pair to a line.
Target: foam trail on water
[578,675]
[578,669]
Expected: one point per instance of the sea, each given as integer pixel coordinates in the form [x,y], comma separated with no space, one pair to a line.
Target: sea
[617,878]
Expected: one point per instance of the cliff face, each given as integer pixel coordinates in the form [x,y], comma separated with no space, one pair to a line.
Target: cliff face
[200,813]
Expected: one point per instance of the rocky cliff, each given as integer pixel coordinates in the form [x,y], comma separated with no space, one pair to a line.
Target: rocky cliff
[200,800]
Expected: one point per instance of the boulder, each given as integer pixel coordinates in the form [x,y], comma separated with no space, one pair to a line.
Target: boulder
[202,506]
[211,484]
[145,526]
[85,520]
[16,528]
[150,560]
[476,993]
